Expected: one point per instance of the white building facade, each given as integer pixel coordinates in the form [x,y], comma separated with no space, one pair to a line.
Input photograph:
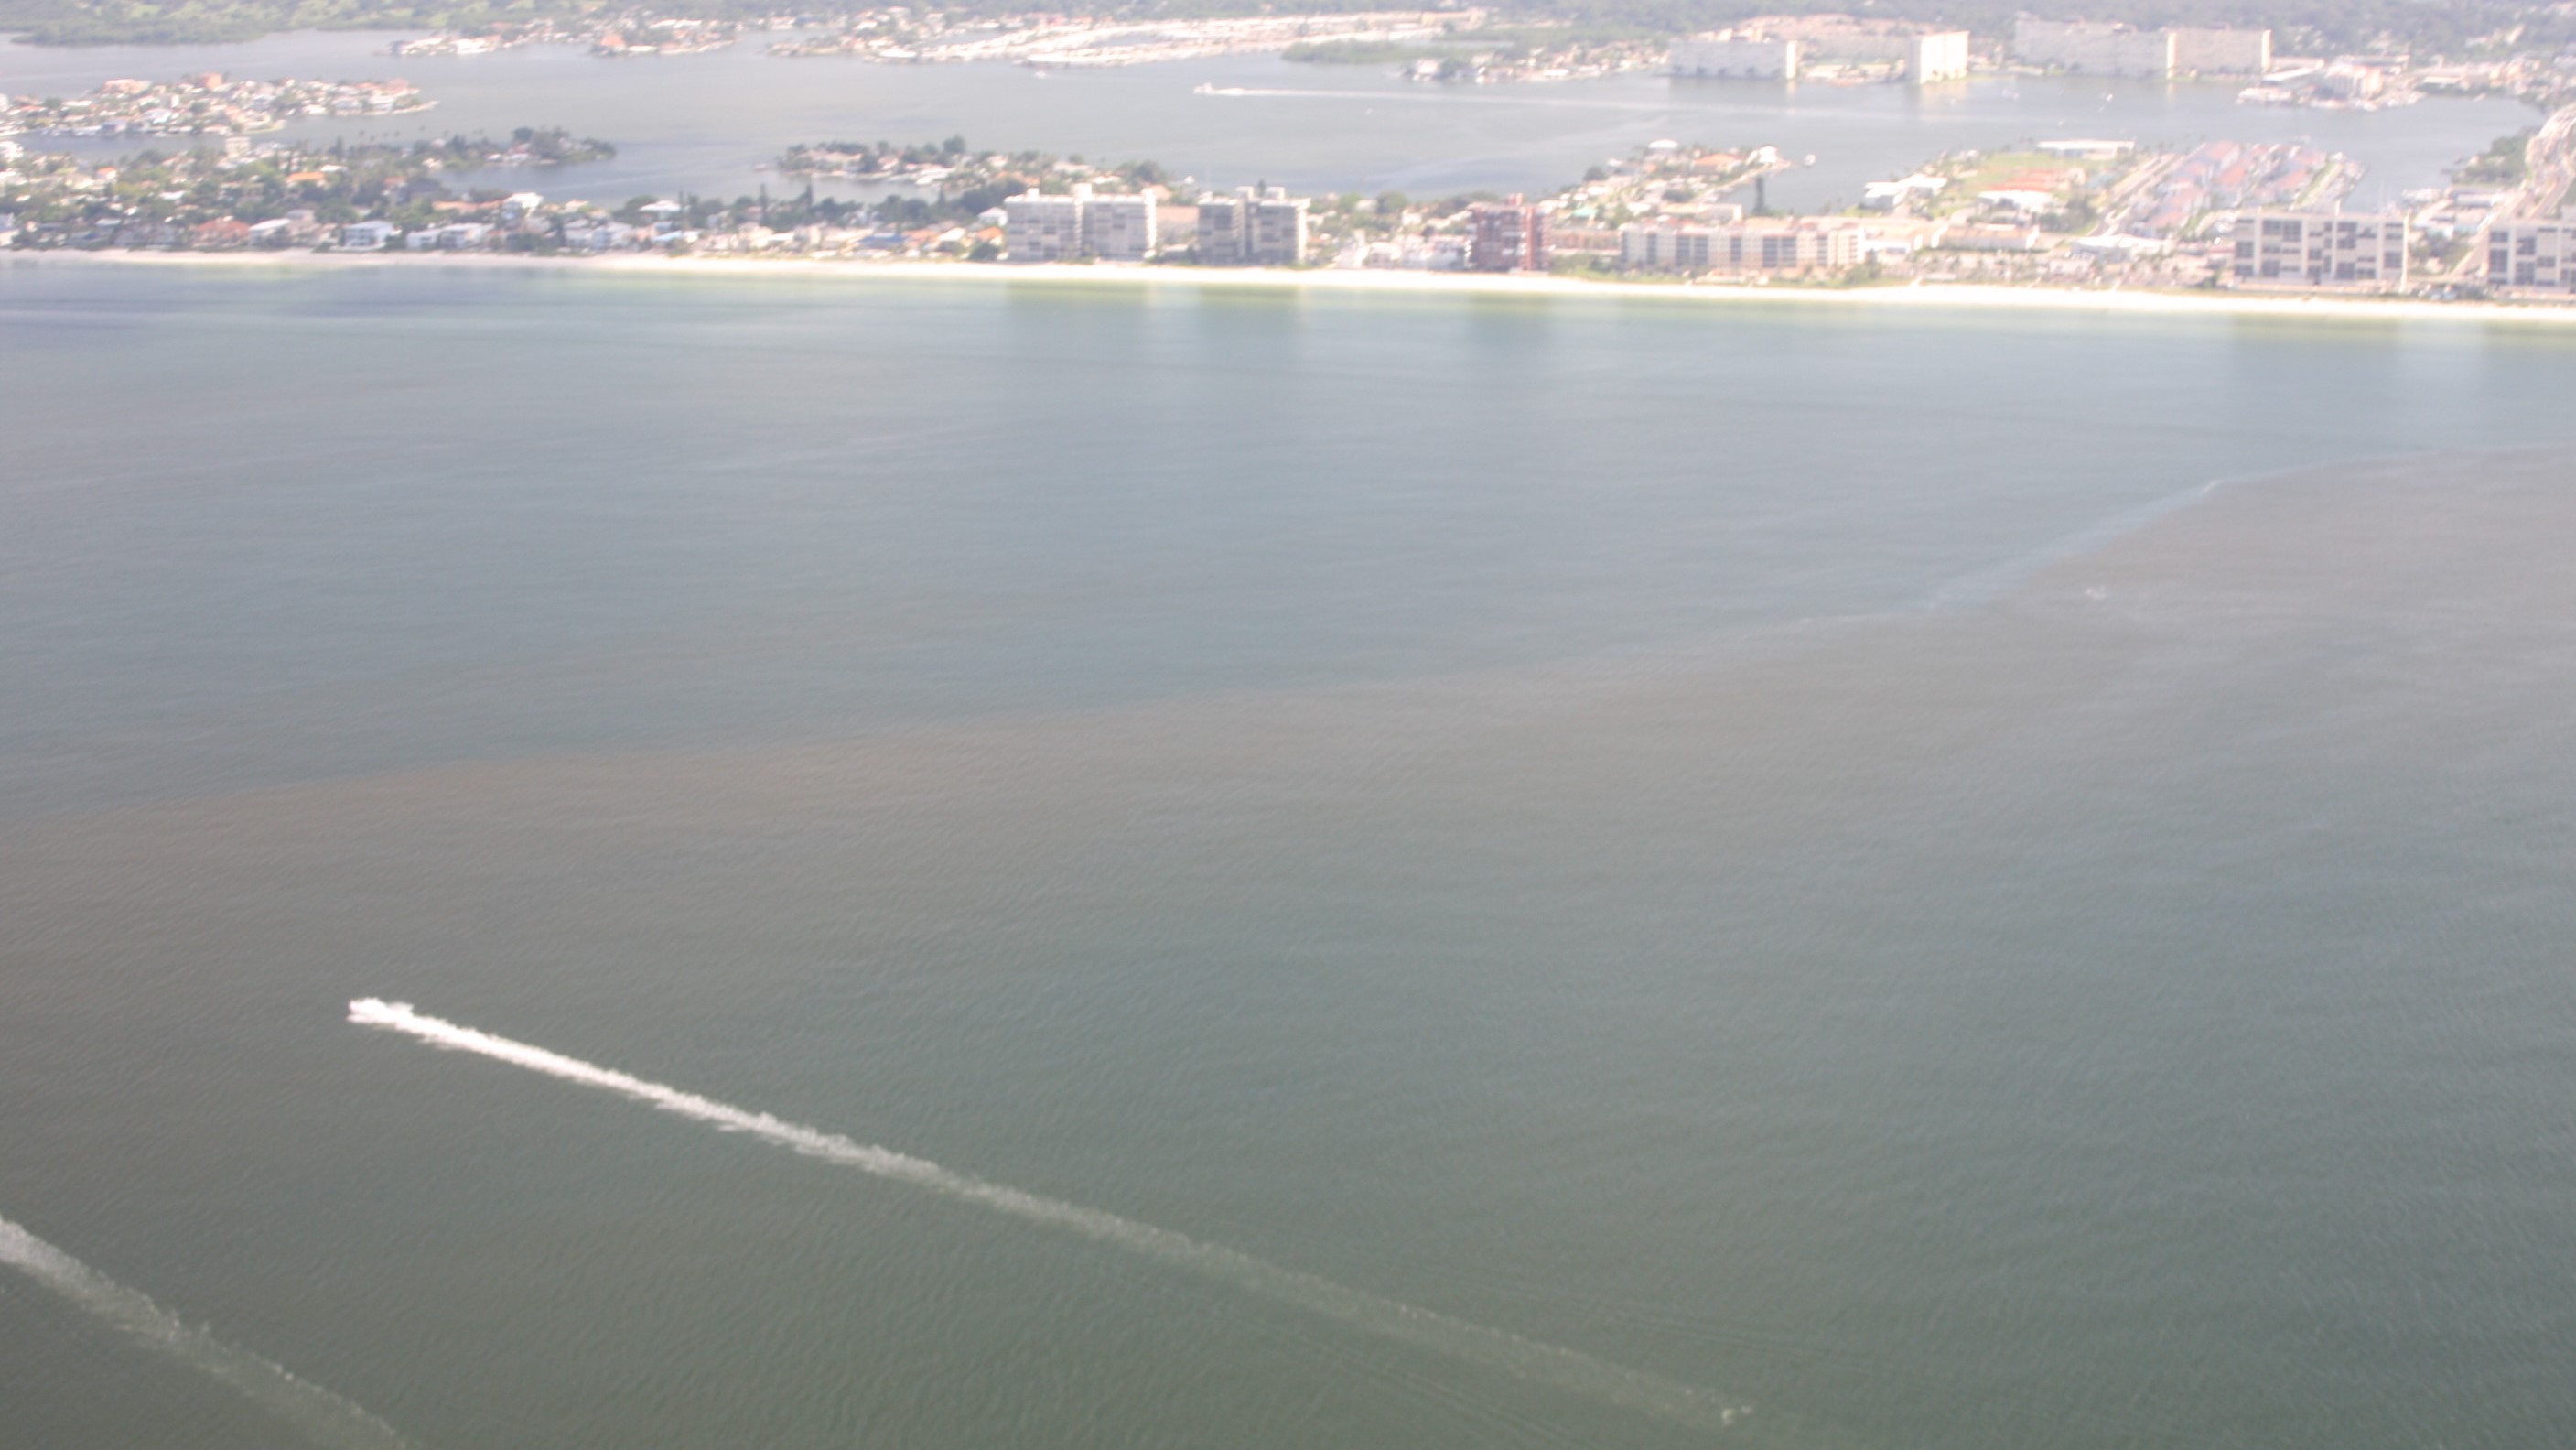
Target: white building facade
[2532,256]
[1727,56]
[1744,246]
[1039,227]
[1042,228]
[1255,227]
[2321,250]
[2200,51]
[1940,55]
[1118,228]
[2087,48]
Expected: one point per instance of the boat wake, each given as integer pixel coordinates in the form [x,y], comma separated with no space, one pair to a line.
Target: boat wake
[323,1417]
[1495,1349]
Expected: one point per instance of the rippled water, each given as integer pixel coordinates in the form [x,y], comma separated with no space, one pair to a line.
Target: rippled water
[1948,880]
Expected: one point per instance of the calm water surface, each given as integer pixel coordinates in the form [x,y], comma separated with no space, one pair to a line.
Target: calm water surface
[1955,880]
[710,123]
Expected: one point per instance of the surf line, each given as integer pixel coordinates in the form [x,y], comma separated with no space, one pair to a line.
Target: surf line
[1527,1359]
[323,1417]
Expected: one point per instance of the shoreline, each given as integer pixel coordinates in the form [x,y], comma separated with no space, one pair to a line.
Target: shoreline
[1913,296]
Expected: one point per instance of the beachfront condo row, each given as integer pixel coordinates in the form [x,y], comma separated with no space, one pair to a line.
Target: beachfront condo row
[1254,227]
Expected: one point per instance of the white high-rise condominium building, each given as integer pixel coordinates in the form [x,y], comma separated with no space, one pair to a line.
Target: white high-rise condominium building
[1255,227]
[1044,228]
[1939,55]
[2094,49]
[1734,57]
[2091,48]
[1118,228]
[2204,52]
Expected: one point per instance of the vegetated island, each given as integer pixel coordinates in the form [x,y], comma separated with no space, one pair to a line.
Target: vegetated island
[208,103]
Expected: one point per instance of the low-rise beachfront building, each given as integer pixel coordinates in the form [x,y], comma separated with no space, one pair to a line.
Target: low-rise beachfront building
[1894,195]
[1991,237]
[601,234]
[1438,252]
[1758,245]
[367,236]
[1664,246]
[1791,247]
[2365,253]
[2532,256]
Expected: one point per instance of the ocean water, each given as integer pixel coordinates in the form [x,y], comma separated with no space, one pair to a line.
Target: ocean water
[1617,874]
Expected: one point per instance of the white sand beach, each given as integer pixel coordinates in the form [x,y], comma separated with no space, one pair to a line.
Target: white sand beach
[1409,283]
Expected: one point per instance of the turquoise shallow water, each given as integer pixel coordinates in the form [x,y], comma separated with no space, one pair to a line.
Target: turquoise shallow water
[1806,855]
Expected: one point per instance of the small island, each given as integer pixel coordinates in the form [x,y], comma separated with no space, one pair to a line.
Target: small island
[355,196]
[208,103]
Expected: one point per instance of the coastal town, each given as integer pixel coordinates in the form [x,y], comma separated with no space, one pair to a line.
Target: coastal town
[612,35]
[208,103]
[2061,211]
[1474,44]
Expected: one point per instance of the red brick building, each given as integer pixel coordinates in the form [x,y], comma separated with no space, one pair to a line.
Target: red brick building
[1507,236]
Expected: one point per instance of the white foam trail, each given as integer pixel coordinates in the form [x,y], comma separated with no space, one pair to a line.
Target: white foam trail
[323,1417]
[1545,1364]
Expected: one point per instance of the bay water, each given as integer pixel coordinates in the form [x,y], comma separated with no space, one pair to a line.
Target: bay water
[1938,879]
[714,123]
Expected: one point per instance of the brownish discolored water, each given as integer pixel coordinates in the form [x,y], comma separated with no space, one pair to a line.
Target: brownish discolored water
[1581,856]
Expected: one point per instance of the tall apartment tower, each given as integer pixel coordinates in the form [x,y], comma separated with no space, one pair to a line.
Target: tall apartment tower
[1507,236]
[1118,228]
[2095,49]
[1255,227]
[1043,228]
[1727,55]
[2203,52]
[1938,55]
